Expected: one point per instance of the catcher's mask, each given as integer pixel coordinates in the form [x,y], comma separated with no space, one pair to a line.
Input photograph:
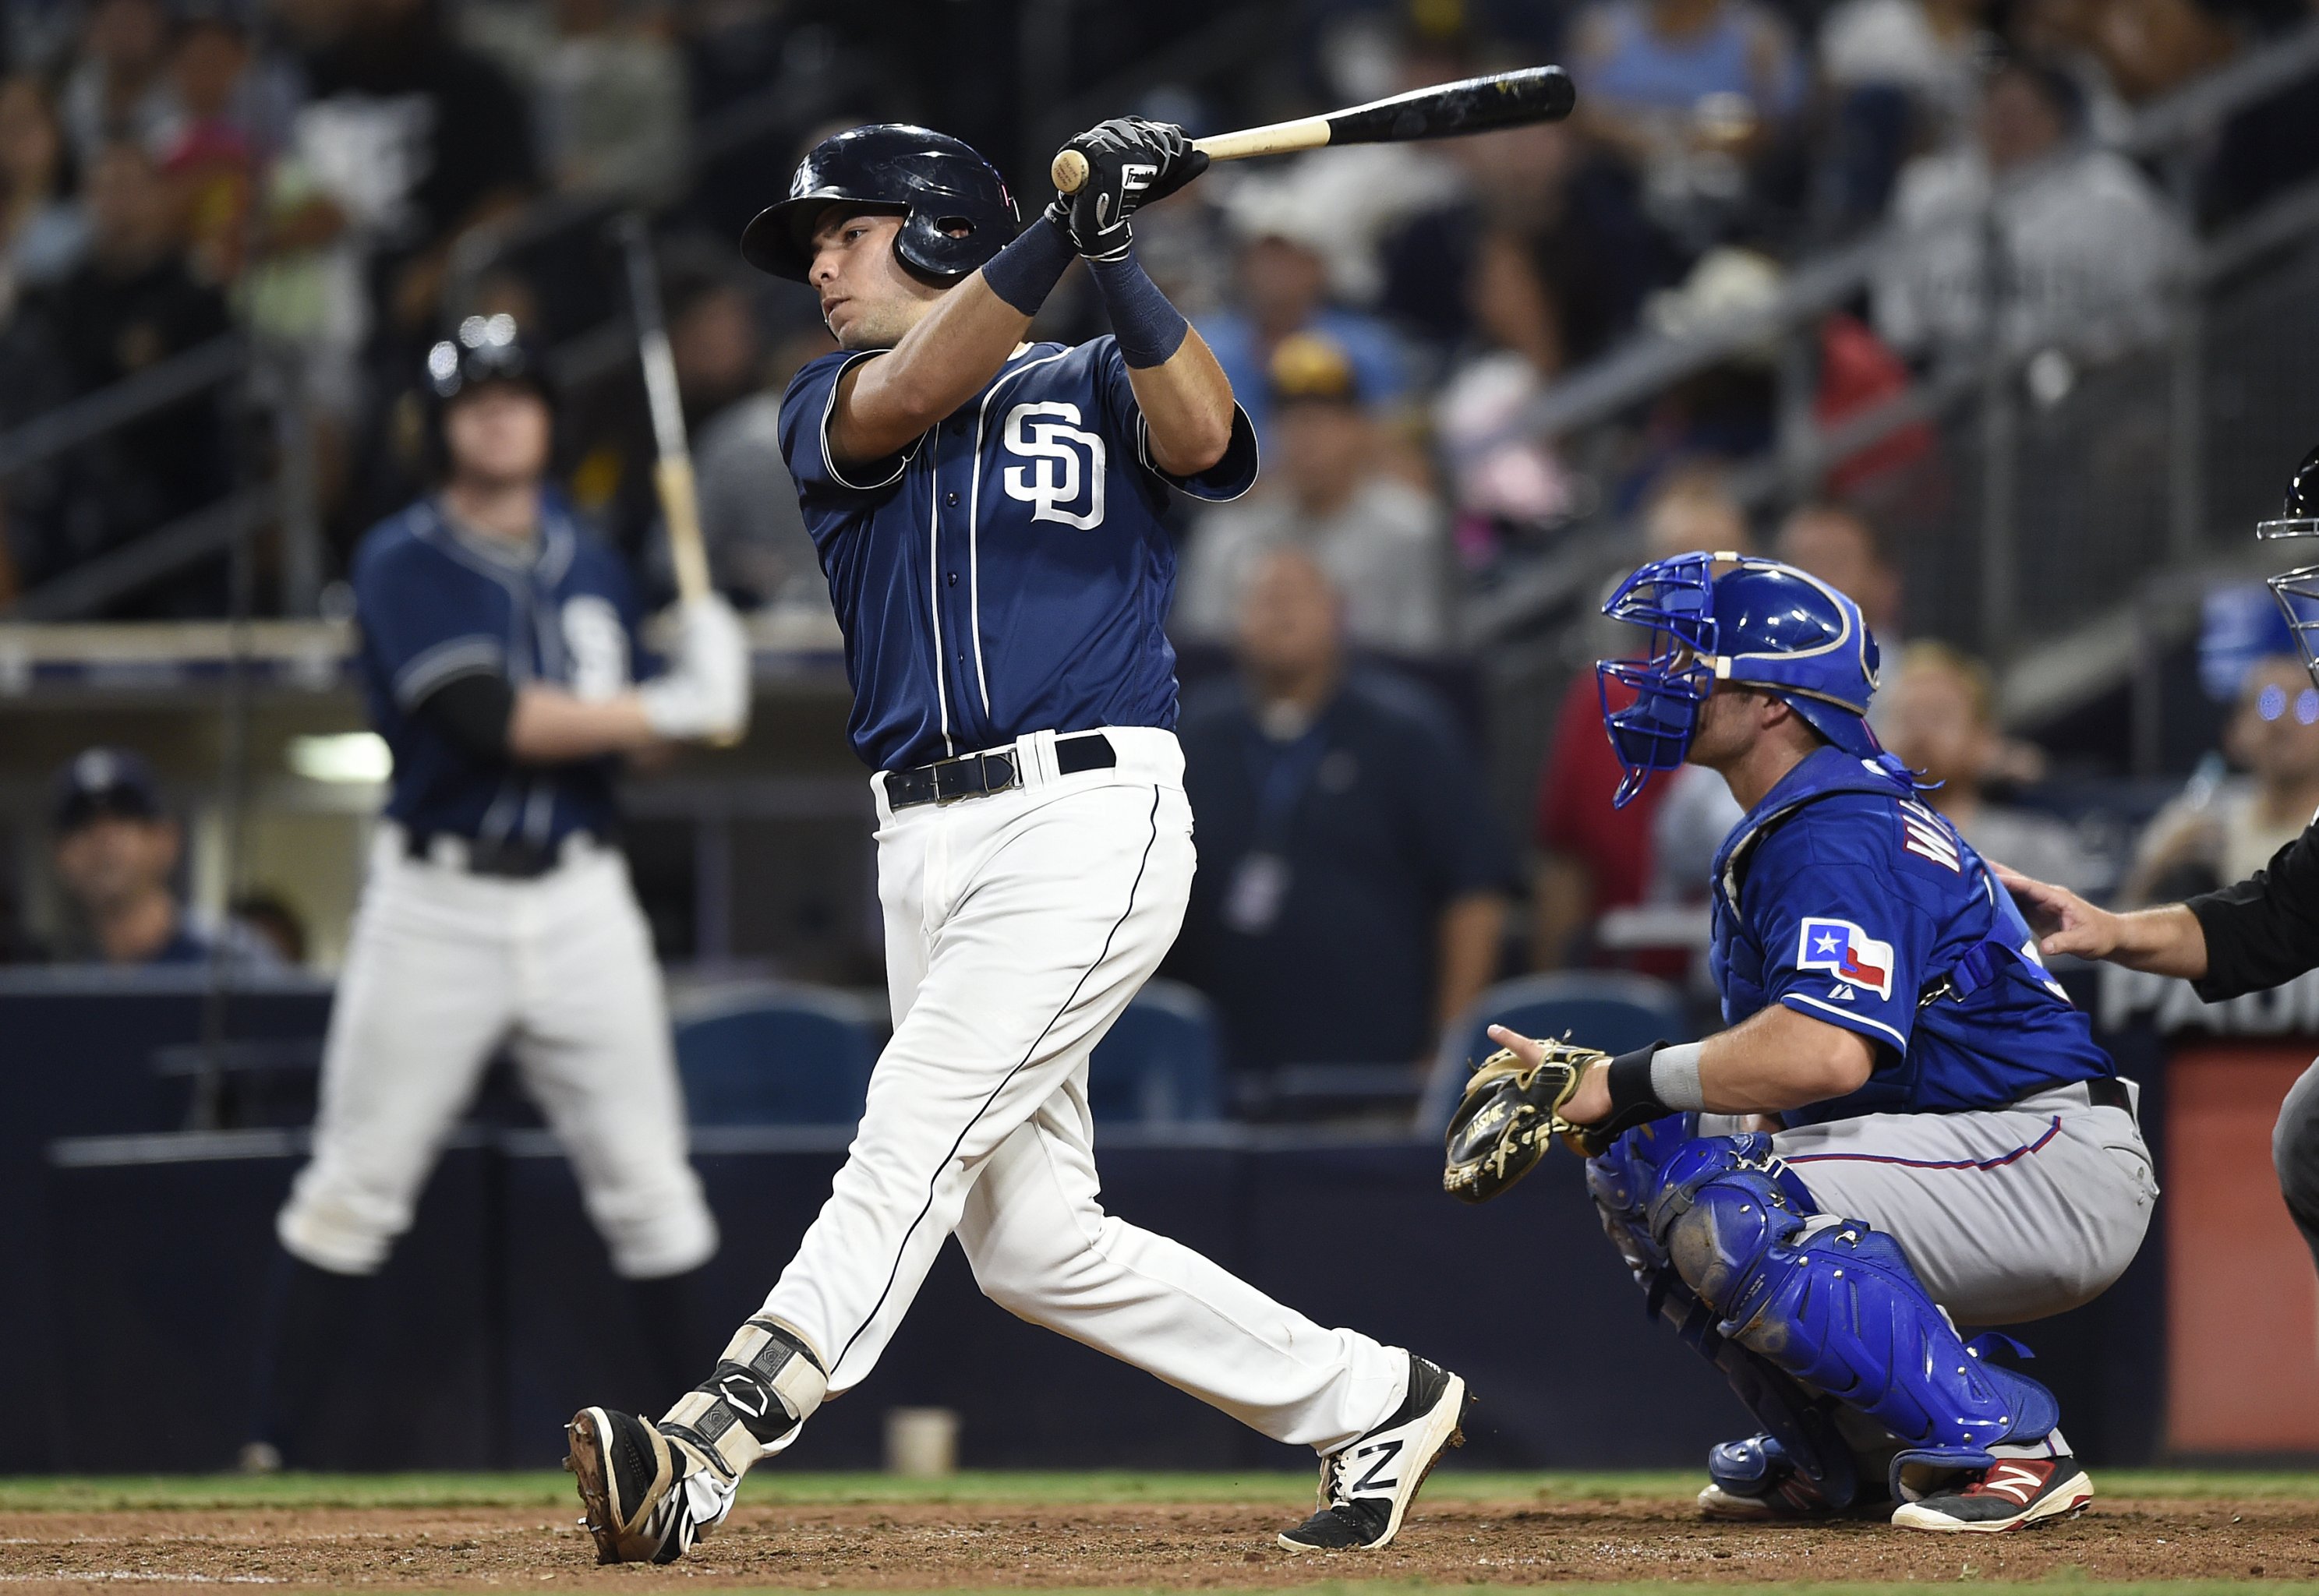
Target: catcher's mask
[2297,591]
[1732,617]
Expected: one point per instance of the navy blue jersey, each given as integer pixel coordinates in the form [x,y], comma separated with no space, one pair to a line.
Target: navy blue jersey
[437,602]
[1845,897]
[1008,572]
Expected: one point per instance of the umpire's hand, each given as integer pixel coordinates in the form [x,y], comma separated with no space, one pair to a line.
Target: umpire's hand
[2064,921]
[704,695]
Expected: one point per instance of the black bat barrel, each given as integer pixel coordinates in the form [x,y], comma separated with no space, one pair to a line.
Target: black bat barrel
[1474,106]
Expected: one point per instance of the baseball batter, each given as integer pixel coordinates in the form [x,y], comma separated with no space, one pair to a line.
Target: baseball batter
[986,514]
[498,647]
[1905,1127]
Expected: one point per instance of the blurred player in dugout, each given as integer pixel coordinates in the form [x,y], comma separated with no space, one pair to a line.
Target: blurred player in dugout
[2258,933]
[497,641]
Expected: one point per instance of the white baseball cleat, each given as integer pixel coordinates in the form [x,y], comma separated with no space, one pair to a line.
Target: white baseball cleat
[1367,1487]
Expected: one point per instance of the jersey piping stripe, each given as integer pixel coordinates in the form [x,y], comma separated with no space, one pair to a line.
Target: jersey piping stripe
[1849,1017]
[1134,886]
[934,590]
[2023,1152]
[974,522]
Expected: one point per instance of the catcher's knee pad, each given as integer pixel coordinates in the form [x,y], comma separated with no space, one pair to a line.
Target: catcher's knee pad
[1722,1201]
[1834,1304]
[1623,1177]
[767,1383]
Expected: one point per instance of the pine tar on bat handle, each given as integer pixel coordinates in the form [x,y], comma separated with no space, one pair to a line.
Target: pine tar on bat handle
[1445,110]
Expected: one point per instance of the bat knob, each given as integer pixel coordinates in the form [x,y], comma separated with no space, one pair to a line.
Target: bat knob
[1069,171]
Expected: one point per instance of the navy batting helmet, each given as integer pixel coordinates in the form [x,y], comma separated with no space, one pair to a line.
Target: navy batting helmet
[485,349]
[1759,623]
[955,208]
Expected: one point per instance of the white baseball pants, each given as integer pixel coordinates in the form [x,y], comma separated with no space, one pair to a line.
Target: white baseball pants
[443,968]
[1018,927]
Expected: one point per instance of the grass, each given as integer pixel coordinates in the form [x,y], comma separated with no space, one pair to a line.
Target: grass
[552,1489]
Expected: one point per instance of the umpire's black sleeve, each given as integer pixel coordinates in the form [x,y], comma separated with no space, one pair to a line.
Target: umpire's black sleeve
[2264,929]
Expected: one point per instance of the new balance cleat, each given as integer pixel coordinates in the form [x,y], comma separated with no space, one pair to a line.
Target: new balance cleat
[643,1501]
[2011,1494]
[1366,1488]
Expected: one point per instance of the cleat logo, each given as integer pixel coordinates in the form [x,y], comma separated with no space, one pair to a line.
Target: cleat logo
[2012,1481]
[1066,464]
[1368,1482]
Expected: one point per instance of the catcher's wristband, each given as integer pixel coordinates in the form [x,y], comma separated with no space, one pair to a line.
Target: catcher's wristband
[1633,1099]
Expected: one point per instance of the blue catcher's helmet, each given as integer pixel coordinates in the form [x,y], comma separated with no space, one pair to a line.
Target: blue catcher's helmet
[1759,622]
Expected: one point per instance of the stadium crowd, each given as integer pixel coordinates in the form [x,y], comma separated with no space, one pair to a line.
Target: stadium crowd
[343,179]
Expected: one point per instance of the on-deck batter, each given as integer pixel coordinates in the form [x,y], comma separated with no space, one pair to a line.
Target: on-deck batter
[497,636]
[987,515]
[1945,1143]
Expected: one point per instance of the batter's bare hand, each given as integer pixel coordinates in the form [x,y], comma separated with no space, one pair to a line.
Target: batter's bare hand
[2064,921]
[1130,163]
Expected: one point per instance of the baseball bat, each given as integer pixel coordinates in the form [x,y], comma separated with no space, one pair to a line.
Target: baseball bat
[673,478]
[1445,111]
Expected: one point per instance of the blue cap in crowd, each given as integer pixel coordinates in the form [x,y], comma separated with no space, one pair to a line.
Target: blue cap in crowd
[101,783]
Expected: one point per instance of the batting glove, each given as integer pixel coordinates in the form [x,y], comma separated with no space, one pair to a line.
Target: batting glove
[706,694]
[1130,163]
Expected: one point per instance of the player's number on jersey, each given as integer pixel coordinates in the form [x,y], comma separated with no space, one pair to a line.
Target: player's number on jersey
[1066,464]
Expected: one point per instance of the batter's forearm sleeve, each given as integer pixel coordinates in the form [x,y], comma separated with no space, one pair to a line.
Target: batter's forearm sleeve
[2264,930]
[1149,329]
[473,712]
[1027,270]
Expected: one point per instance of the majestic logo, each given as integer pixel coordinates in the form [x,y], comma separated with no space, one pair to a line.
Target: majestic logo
[1066,465]
[1847,952]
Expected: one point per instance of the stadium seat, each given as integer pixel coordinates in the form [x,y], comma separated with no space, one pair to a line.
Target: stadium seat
[1158,1065]
[1613,1010]
[774,1054]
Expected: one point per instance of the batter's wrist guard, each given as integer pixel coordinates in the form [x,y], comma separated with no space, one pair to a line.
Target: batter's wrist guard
[767,1383]
[1027,270]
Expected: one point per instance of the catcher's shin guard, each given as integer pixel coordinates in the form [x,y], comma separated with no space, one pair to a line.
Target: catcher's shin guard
[1833,1305]
[1624,1179]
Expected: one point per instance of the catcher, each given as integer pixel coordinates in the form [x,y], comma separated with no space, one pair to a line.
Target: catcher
[1905,1127]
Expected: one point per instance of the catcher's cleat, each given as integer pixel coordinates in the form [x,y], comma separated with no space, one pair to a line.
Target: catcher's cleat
[634,1484]
[2009,1493]
[1367,1487]
[1755,1481]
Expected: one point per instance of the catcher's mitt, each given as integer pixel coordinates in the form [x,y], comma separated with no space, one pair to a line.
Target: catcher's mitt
[1508,1111]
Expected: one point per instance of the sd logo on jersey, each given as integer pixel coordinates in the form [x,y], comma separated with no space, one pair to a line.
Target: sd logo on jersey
[1058,478]
[1847,952]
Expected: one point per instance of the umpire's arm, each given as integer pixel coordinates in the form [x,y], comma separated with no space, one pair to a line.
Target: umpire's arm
[2256,933]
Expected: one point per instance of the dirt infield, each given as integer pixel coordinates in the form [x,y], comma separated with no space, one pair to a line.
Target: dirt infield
[940,1545]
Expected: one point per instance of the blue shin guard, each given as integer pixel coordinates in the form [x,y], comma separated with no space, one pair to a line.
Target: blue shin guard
[1833,1305]
[1800,1434]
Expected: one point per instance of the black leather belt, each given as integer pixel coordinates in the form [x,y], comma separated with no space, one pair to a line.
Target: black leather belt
[974,775]
[507,859]
[2109,1092]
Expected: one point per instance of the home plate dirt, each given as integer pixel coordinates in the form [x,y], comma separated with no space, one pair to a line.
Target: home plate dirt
[951,1546]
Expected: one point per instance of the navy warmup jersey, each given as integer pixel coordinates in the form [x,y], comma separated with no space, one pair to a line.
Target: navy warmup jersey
[436,602]
[1845,897]
[1008,572]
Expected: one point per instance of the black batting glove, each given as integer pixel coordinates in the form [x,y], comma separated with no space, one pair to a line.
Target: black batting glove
[1130,163]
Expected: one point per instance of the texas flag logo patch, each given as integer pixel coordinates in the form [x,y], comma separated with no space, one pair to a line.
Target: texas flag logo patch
[1848,954]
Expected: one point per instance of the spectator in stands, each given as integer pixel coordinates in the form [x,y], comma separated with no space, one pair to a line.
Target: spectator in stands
[1940,720]
[2222,831]
[1381,540]
[132,304]
[415,140]
[1690,90]
[43,232]
[1502,485]
[758,547]
[1899,74]
[117,852]
[612,106]
[2091,247]
[1283,289]
[121,91]
[1837,545]
[1592,857]
[1353,884]
[211,155]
